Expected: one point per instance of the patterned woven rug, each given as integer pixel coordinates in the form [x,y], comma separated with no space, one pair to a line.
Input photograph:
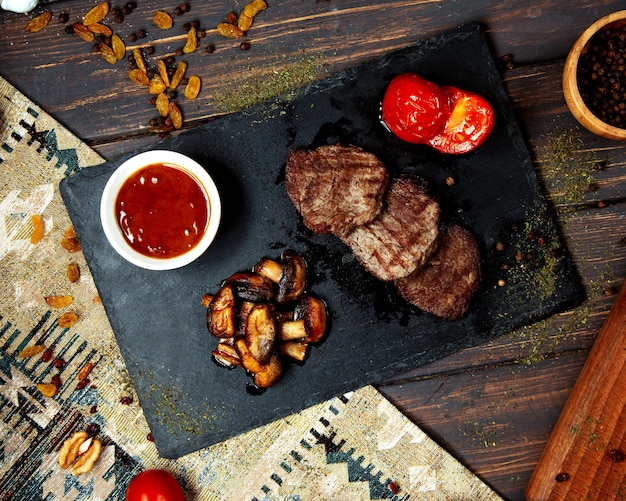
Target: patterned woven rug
[355,447]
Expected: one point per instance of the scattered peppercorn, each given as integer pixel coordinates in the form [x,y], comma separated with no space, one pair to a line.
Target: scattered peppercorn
[210,49]
[141,33]
[69,29]
[562,477]
[82,384]
[244,45]
[93,429]
[64,17]
[150,50]
[131,37]
[616,455]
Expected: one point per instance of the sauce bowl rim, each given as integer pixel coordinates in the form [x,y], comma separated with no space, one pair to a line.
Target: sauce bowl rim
[113,231]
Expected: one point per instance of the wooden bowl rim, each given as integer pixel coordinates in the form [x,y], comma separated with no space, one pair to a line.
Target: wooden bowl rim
[572,95]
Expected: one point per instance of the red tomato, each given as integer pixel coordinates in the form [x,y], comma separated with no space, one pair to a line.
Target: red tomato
[154,485]
[414,109]
[470,122]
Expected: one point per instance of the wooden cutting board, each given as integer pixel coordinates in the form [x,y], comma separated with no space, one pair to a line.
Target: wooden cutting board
[586,454]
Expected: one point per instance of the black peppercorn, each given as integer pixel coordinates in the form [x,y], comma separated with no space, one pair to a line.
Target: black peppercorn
[562,477]
[64,17]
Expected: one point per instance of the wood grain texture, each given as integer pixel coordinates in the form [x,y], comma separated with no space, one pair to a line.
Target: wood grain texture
[581,458]
[493,406]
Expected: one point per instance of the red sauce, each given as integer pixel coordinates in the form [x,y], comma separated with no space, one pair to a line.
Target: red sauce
[162,211]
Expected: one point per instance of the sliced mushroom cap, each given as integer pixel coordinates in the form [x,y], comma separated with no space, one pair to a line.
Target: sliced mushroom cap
[270,373]
[261,331]
[226,355]
[220,317]
[250,286]
[293,278]
[248,362]
[245,307]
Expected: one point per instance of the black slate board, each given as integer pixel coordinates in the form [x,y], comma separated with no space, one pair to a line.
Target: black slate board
[158,319]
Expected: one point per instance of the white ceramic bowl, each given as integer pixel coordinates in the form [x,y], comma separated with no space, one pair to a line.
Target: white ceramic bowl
[113,231]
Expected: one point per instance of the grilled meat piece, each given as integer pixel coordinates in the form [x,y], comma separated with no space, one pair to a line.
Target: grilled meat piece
[445,285]
[403,236]
[335,188]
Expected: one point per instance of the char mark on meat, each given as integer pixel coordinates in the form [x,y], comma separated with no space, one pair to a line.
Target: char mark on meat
[335,188]
[403,236]
[445,285]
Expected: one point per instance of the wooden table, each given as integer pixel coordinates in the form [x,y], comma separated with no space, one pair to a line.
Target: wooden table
[493,406]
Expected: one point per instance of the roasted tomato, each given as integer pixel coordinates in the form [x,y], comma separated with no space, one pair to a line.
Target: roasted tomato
[450,120]
[154,485]
[414,109]
[470,122]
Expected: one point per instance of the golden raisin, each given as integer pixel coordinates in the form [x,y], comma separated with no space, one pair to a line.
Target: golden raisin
[38,229]
[73,272]
[83,32]
[107,53]
[176,116]
[229,30]
[31,351]
[97,14]
[141,64]
[59,301]
[100,29]
[178,74]
[163,72]
[119,47]
[70,232]
[249,11]
[156,85]
[163,20]
[193,87]
[70,244]
[163,104]
[84,371]
[67,320]
[47,389]
[39,23]
[139,76]
[192,41]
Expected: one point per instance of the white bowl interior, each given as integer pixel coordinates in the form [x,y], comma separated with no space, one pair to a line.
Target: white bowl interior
[114,233]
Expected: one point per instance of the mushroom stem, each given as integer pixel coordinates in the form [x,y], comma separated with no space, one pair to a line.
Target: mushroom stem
[269,269]
[292,329]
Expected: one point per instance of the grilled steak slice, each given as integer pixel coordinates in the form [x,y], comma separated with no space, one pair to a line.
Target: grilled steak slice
[445,285]
[403,236]
[335,188]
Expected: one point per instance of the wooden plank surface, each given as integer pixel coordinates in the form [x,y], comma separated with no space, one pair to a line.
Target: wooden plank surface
[492,406]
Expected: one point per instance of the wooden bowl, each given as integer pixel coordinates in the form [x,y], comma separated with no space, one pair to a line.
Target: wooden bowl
[573,98]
